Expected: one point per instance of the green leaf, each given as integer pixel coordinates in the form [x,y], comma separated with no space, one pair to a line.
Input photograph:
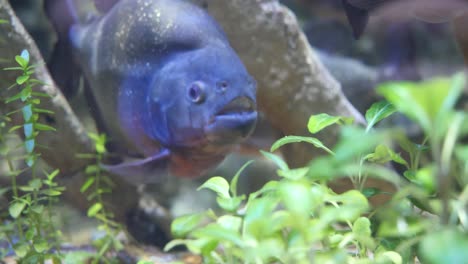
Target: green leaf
[38,208]
[296,197]
[21,249]
[13,69]
[22,62]
[92,169]
[424,102]
[42,127]
[16,208]
[377,112]
[35,184]
[393,256]
[258,213]
[353,204]
[94,209]
[174,243]
[217,232]
[25,93]
[445,246]
[323,168]
[202,246]
[294,174]
[269,187]
[230,204]
[235,179]
[384,154]
[53,174]
[72,257]
[183,225]
[22,79]
[217,184]
[276,160]
[456,87]
[12,129]
[295,139]
[400,227]
[99,142]
[362,227]
[146,262]
[370,192]
[318,122]
[87,184]
[355,141]
[425,178]
[230,222]
[41,245]
[51,192]
[43,111]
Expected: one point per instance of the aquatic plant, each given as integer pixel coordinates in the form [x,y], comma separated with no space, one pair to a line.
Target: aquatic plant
[299,219]
[31,232]
[96,185]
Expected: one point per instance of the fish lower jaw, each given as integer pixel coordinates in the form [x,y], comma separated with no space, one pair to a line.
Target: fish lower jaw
[231,127]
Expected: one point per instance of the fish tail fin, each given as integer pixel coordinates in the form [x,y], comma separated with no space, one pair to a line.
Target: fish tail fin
[64,70]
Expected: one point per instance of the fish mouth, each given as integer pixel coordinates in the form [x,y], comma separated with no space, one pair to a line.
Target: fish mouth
[239,105]
[233,122]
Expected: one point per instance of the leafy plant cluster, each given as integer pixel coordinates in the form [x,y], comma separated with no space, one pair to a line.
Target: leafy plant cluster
[299,219]
[27,226]
[31,233]
[96,185]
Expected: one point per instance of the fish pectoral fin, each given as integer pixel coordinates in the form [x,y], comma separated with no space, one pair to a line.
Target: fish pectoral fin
[142,171]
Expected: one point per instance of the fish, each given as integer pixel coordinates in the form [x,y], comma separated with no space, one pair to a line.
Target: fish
[430,11]
[165,85]
[396,17]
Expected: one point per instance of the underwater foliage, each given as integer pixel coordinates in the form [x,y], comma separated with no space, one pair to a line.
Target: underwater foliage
[296,218]
[28,226]
[30,232]
[299,219]
[97,185]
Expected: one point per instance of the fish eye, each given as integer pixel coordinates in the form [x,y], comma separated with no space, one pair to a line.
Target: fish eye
[196,93]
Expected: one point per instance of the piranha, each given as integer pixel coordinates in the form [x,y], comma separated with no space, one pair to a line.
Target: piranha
[431,11]
[400,40]
[165,85]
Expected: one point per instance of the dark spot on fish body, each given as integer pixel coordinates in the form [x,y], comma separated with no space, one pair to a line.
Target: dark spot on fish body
[222,86]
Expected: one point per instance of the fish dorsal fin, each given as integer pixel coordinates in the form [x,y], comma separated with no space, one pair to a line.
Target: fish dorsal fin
[103,6]
[357,18]
[368,4]
[142,171]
